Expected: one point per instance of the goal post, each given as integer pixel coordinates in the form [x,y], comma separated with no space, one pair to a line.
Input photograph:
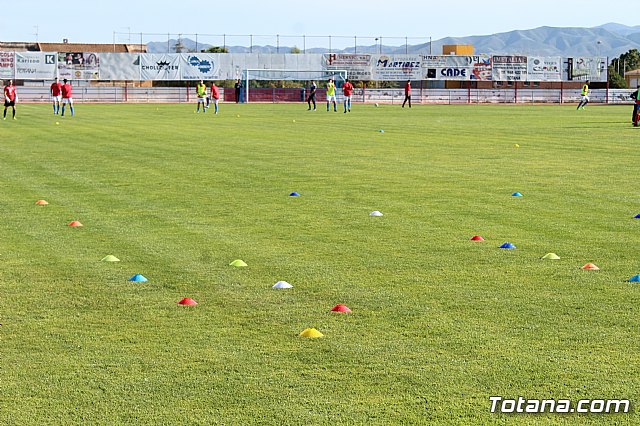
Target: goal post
[250,74]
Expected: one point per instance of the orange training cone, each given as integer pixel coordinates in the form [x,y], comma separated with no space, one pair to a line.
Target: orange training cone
[41,203]
[590,267]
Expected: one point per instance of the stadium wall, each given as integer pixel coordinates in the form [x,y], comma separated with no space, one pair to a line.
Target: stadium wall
[95,66]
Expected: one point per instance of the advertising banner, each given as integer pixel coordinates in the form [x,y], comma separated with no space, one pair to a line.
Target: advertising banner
[509,68]
[397,67]
[544,68]
[78,65]
[442,67]
[199,66]
[35,65]
[358,66]
[586,68]
[120,66]
[160,66]
[7,65]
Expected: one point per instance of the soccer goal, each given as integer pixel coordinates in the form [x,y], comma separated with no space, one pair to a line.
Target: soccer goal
[249,74]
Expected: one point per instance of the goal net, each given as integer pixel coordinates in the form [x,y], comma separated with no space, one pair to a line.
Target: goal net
[248,75]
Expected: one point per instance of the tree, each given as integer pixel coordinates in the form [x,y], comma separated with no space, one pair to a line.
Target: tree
[616,81]
[217,49]
[619,66]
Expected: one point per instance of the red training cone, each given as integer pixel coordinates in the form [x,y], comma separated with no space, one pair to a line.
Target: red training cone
[74,223]
[341,308]
[187,301]
[477,238]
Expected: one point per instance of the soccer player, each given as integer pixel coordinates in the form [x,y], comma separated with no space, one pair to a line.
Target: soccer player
[347,91]
[9,99]
[56,90]
[407,93]
[67,97]
[636,107]
[201,93]
[312,96]
[238,88]
[215,95]
[584,96]
[331,95]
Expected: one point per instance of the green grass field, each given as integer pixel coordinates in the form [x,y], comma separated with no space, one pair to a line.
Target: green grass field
[439,322]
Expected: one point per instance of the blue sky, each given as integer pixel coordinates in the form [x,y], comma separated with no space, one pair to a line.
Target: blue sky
[416,19]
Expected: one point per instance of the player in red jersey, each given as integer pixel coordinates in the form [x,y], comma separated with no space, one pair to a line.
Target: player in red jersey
[407,93]
[347,91]
[56,91]
[66,96]
[9,99]
[215,95]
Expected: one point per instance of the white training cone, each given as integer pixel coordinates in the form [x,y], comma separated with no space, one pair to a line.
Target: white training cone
[375,213]
[282,284]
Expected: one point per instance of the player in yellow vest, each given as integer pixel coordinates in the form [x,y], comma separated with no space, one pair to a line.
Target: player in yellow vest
[201,93]
[331,95]
[584,94]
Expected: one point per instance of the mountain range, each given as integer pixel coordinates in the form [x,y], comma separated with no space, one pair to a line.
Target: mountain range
[609,40]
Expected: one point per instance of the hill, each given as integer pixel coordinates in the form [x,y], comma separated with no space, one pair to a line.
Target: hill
[610,40]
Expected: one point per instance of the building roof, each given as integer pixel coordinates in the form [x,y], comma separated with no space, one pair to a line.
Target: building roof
[18,46]
[21,46]
[92,47]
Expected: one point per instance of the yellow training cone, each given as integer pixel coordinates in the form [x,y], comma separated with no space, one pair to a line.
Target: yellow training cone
[238,262]
[311,333]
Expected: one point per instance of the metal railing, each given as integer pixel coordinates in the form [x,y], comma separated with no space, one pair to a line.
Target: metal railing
[278,43]
[106,94]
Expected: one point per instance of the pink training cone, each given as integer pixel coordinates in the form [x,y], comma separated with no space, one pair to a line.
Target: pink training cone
[341,308]
[74,223]
[188,301]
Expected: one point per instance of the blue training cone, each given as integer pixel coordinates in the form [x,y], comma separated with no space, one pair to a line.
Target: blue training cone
[294,194]
[637,216]
[635,279]
[507,246]
[516,194]
[138,278]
